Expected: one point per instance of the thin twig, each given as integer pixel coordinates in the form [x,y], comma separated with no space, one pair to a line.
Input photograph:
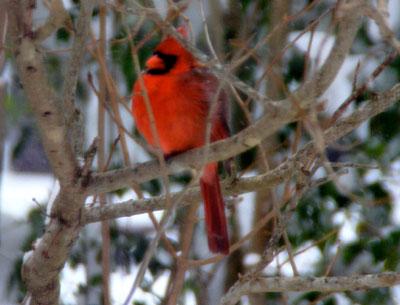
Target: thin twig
[105,227]
[361,89]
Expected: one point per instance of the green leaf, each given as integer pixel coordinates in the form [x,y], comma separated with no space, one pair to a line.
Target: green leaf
[328,190]
[295,69]
[330,301]
[351,251]
[386,124]
[153,187]
[62,35]
[95,280]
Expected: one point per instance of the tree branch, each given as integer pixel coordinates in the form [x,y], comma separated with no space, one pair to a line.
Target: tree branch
[247,285]
[42,265]
[57,17]
[44,101]
[349,18]
[380,18]
[290,168]
[73,116]
[278,113]
[349,21]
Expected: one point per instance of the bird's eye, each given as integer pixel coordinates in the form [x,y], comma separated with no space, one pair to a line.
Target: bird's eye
[160,63]
[168,59]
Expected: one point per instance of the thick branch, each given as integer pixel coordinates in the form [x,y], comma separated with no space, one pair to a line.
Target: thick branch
[323,284]
[221,150]
[42,98]
[42,266]
[286,170]
[73,116]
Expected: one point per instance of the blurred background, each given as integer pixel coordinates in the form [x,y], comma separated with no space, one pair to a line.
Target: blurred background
[347,226]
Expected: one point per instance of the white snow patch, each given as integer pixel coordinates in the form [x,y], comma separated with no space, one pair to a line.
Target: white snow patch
[251,259]
[71,278]
[19,189]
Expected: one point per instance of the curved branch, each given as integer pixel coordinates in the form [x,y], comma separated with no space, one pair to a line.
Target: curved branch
[348,26]
[278,113]
[378,15]
[42,265]
[44,101]
[73,116]
[247,285]
[290,168]
[349,20]
[57,17]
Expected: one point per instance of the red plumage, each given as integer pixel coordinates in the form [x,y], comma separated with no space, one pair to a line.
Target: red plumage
[181,92]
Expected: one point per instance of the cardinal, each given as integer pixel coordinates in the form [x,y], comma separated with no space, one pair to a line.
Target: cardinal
[180,92]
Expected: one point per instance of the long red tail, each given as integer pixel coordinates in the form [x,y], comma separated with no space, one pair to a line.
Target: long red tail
[217,233]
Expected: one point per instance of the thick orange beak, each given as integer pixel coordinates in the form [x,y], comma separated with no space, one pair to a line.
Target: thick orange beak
[155,63]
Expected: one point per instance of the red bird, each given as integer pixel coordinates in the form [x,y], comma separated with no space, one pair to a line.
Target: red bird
[180,91]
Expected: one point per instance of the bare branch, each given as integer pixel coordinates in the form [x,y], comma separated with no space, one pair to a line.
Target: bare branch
[221,150]
[278,114]
[290,168]
[57,17]
[348,24]
[44,101]
[382,6]
[42,265]
[380,17]
[349,18]
[359,90]
[73,116]
[56,115]
[324,284]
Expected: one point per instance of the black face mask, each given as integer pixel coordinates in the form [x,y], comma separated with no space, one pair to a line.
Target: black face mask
[168,60]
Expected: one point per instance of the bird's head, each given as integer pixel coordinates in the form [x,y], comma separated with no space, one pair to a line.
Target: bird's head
[171,57]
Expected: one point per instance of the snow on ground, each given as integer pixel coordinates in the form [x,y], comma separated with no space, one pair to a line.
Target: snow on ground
[22,191]
[121,283]
[19,191]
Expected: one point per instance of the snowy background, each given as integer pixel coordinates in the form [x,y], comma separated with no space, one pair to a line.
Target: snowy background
[21,190]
